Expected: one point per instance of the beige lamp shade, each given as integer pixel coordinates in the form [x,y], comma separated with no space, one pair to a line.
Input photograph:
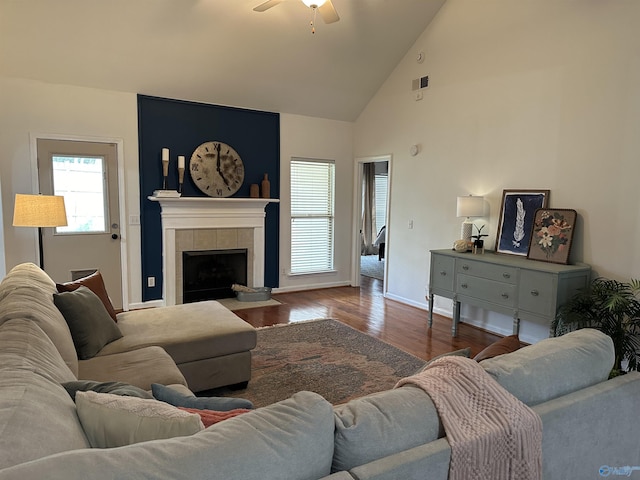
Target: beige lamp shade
[39,211]
[470,206]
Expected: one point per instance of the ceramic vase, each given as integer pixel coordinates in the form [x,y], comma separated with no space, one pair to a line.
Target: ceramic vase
[266,187]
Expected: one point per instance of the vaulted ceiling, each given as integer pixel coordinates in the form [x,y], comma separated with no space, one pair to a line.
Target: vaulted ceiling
[215,51]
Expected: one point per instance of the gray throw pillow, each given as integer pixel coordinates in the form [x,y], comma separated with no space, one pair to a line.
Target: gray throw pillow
[115,388]
[90,324]
[177,399]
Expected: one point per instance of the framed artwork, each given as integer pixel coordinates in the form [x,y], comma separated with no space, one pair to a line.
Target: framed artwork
[516,219]
[552,235]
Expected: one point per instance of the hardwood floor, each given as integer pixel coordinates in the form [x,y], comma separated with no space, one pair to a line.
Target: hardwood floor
[365,309]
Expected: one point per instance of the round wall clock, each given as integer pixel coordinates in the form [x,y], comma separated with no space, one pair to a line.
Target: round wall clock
[216,169]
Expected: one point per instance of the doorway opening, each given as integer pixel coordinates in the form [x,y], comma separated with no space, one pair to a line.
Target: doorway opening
[372,194]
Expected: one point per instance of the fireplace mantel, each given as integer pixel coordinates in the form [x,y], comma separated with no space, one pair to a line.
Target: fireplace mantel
[204,213]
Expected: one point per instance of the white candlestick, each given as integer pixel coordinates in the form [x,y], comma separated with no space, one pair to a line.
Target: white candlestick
[180,161]
[165,154]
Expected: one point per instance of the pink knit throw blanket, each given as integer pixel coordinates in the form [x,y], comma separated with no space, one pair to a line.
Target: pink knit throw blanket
[493,435]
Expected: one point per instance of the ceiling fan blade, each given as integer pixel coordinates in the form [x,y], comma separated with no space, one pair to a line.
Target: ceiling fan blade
[267,5]
[328,12]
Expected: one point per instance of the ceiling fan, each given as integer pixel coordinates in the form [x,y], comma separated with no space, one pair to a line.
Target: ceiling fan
[324,7]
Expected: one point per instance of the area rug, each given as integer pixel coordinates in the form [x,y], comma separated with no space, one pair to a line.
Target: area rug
[234,304]
[370,266]
[322,356]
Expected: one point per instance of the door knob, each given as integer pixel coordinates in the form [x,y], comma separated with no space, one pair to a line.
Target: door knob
[114,236]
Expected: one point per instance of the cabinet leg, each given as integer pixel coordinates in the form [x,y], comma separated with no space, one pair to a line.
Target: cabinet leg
[516,325]
[456,319]
[430,322]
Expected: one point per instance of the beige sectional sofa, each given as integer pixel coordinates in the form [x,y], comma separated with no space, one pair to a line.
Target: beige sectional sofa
[589,422]
[200,345]
[210,344]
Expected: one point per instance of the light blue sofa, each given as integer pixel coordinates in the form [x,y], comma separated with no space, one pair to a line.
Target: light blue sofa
[588,421]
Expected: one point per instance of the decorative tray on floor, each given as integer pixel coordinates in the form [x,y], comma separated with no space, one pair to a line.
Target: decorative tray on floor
[260,294]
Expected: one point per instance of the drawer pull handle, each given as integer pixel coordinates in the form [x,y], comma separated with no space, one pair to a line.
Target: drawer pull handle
[506,275]
[465,267]
[505,295]
[443,273]
[464,285]
[535,293]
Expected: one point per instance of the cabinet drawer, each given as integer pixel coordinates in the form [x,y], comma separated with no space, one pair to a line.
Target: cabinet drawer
[537,292]
[490,271]
[489,290]
[442,272]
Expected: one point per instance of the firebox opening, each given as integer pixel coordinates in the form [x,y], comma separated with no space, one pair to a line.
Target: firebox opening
[209,274]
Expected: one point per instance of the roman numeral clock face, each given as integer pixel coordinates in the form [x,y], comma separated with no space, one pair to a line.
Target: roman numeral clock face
[216,169]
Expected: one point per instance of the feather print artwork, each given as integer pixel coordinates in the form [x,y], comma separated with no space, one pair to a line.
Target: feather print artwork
[518,232]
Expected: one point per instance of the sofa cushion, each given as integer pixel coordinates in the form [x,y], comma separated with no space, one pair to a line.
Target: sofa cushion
[504,345]
[555,366]
[211,328]
[115,388]
[292,439]
[113,420]
[140,367]
[89,322]
[37,416]
[178,399]
[27,292]
[95,283]
[382,424]
[24,345]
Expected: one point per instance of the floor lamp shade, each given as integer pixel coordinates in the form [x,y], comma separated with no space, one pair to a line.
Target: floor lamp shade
[469,207]
[39,211]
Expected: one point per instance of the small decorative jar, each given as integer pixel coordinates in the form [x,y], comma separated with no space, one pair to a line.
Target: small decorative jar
[266,187]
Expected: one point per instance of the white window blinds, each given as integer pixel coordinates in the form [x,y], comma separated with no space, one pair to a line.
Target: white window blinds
[312,215]
[381,201]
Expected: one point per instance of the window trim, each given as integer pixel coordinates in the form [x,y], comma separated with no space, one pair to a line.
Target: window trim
[330,215]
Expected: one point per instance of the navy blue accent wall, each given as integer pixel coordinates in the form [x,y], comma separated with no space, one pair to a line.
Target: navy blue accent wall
[181,126]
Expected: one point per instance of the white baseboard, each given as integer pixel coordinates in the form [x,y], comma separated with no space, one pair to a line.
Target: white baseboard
[406,301]
[314,286]
[150,304]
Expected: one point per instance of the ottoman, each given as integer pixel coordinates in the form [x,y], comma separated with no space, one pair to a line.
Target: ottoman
[210,344]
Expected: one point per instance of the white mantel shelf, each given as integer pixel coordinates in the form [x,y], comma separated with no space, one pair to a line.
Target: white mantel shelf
[206,203]
[206,212]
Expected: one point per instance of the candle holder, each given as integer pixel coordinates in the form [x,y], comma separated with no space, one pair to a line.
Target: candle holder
[165,173]
[180,179]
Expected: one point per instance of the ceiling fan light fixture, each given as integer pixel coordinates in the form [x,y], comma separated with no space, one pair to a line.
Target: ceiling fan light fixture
[314,3]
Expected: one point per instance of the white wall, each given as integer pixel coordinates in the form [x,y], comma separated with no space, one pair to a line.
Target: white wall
[526,94]
[29,107]
[307,137]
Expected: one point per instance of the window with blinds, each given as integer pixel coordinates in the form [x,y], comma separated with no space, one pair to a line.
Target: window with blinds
[312,215]
[381,201]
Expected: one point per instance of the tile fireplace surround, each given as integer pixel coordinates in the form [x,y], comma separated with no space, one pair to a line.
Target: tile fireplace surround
[203,223]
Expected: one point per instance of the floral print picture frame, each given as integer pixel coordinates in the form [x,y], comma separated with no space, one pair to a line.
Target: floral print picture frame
[516,219]
[552,235]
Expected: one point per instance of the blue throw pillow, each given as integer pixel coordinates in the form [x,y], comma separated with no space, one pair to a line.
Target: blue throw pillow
[177,399]
[116,388]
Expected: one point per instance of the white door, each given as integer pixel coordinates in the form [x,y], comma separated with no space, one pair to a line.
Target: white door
[86,174]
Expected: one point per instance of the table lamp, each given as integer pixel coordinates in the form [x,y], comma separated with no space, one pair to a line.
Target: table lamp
[39,211]
[468,207]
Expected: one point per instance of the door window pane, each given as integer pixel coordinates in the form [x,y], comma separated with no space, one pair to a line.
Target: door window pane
[81,181]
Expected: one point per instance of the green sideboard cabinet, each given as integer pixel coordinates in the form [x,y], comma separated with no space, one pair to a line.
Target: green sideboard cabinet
[508,284]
